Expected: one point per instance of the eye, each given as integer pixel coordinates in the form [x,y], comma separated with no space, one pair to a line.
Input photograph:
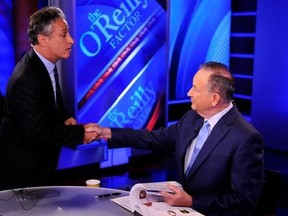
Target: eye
[64,34]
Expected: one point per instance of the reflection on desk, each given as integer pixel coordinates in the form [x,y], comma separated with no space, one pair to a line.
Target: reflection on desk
[60,200]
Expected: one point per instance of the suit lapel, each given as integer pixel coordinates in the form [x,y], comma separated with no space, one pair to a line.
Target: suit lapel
[217,134]
[39,71]
[190,133]
[39,67]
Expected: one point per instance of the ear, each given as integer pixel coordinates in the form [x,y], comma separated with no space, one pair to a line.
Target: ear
[43,40]
[215,99]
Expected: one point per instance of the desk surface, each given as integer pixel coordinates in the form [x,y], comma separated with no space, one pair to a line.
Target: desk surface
[60,200]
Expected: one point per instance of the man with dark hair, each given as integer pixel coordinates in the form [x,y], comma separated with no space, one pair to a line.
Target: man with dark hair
[219,155]
[35,124]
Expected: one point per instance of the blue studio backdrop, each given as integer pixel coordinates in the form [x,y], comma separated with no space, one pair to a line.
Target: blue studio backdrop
[122,65]
[118,71]
[199,32]
[6,43]
[129,59]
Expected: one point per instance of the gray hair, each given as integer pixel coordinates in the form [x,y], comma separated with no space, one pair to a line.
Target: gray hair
[40,22]
[221,80]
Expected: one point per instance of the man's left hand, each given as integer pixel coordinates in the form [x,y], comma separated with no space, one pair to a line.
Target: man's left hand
[70,121]
[178,198]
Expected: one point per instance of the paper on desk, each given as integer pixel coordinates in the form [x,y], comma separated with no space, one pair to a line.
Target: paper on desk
[149,204]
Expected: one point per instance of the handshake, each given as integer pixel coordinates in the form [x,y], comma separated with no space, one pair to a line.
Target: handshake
[94,131]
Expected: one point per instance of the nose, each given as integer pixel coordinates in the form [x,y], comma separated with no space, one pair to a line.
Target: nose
[70,39]
[189,93]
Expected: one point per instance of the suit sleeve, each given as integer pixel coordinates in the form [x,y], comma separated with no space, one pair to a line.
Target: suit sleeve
[160,139]
[164,138]
[34,120]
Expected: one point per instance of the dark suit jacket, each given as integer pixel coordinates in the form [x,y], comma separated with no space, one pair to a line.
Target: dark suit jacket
[226,177]
[31,133]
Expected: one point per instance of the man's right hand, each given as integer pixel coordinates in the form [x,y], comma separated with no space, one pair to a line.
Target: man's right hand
[103,132]
[90,134]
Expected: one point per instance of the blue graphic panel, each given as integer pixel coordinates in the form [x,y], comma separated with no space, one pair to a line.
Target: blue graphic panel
[121,62]
[6,43]
[199,32]
[121,56]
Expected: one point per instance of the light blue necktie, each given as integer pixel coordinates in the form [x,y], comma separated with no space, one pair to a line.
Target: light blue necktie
[202,136]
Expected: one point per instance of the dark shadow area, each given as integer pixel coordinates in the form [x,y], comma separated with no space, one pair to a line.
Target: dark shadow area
[2,98]
[274,197]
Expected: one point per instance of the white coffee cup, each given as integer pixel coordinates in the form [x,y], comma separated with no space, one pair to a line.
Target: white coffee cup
[93,183]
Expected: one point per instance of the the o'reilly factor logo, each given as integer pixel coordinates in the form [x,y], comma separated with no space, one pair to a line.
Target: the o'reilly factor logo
[139,107]
[111,28]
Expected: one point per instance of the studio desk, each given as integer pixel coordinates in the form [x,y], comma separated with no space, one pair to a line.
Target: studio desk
[60,200]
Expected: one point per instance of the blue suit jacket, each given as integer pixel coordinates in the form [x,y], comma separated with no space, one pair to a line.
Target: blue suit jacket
[226,177]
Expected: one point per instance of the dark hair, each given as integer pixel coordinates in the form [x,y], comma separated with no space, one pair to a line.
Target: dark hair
[221,80]
[40,22]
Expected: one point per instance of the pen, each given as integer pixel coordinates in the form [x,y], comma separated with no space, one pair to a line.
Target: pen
[107,195]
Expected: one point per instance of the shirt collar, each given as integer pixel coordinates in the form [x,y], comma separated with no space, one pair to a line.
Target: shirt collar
[49,65]
[214,119]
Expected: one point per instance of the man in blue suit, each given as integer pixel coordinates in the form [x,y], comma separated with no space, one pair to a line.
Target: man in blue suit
[226,177]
